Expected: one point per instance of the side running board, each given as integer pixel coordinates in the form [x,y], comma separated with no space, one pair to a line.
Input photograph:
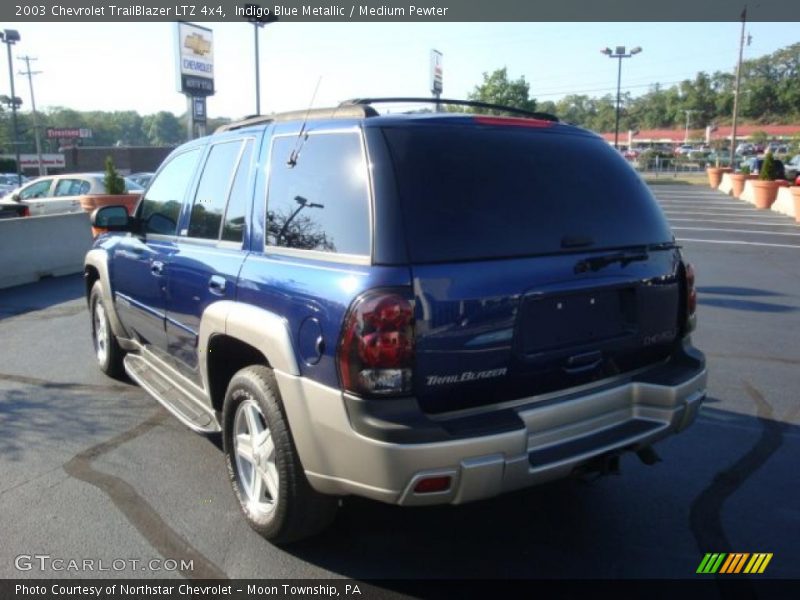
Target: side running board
[157,382]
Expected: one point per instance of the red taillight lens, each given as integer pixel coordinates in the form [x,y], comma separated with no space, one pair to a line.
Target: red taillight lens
[26,212]
[377,348]
[691,292]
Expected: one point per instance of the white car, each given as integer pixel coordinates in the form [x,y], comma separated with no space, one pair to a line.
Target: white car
[61,193]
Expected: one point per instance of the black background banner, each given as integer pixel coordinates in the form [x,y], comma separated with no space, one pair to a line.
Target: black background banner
[706,587]
[407,11]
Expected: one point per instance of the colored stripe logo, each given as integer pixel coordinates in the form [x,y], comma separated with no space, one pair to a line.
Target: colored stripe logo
[733,563]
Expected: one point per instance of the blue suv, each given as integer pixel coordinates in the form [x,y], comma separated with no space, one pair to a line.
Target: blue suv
[416,308]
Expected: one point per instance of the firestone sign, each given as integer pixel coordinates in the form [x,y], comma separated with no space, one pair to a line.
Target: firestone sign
[195,53]
[68,132]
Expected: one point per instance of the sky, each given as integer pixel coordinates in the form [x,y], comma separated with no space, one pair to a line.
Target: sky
[131,66]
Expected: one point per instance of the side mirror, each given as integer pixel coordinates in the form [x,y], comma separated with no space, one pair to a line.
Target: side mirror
[111,218]
[15,197]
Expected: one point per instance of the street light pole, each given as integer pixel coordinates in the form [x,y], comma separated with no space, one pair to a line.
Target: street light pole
[258,19]
[9,37]
[619,53]
[36,132]
[736,91]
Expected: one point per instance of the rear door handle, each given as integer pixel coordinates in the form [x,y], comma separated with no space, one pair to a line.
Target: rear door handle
[216,285]
[157,268]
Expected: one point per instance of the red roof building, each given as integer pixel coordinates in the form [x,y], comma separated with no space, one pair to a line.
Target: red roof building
[677,136]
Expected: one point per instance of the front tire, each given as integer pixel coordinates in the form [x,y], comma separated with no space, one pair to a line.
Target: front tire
[107,351]
[263,466]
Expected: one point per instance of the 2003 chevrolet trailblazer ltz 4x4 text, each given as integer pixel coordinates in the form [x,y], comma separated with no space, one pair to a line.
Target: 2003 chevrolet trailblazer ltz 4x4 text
[416,308]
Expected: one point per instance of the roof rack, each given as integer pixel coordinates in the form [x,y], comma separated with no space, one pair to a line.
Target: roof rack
[474,103]
[343,111]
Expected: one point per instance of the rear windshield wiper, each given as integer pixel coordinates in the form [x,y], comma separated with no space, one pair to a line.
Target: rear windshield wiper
[598,262]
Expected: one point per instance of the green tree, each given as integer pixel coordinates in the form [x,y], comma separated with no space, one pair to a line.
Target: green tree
[113,182]
[496,88]
[164,129]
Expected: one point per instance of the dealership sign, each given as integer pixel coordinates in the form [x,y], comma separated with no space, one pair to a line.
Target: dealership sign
[437,76]
[195,53]
[67,132]
[31,161]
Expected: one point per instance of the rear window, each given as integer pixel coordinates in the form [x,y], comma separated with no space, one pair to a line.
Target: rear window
[470,192]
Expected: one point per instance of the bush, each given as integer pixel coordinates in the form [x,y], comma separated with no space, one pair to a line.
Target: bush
[113,182]
[745,170]
[769,170]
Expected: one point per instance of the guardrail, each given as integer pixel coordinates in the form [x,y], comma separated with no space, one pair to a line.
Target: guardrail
[47,246]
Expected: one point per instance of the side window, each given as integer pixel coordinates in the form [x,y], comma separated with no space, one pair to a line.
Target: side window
[212,192]
[322,202]
[233,227]
[39,189]
[71,187]
[161,206]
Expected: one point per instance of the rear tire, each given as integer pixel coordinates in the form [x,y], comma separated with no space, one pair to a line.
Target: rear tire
[107,350]
[263,465]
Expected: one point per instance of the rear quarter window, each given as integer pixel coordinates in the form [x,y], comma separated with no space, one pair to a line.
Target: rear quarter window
[321,202]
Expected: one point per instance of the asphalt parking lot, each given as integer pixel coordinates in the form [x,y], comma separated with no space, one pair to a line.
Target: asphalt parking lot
[94,468]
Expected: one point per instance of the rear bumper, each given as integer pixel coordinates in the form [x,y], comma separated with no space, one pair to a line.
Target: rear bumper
[346,448]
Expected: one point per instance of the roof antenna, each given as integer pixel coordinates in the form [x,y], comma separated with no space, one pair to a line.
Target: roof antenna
[302,136]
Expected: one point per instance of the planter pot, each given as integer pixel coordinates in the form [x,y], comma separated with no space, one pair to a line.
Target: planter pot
[796,198]
[90,202]
[737,184]
[764,193]
[715,175]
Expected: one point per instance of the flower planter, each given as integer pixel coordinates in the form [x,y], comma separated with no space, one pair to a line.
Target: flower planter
[715,175]
[737,183]
[796,198]
[90,202]
[764,193]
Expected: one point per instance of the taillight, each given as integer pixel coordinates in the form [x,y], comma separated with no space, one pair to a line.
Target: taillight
[26,212]
[691,292]
[376,352]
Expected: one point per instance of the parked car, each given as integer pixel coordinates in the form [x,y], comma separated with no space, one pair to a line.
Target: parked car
[8,182]
[414,308]
[745,149]
[11,209]
[683,149]
[60,193]
[755,163]
[142,178]
[792,167]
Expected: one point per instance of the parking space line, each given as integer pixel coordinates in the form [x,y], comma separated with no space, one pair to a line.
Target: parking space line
[723,214]
[736,231]
[770,224]
[738,243]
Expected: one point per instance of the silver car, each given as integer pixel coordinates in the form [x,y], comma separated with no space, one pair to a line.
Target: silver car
[61,193]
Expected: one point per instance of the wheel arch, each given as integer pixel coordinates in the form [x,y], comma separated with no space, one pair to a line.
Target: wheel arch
[95,268]
[234,335]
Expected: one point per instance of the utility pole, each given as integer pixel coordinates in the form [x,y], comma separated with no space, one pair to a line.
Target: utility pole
[10,37]
[736,91]
[36,131]
[688,112]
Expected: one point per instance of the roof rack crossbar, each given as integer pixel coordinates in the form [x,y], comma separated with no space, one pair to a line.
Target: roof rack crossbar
[474,103]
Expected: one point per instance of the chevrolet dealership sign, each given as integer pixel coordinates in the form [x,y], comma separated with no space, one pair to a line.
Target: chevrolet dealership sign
[195,53]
